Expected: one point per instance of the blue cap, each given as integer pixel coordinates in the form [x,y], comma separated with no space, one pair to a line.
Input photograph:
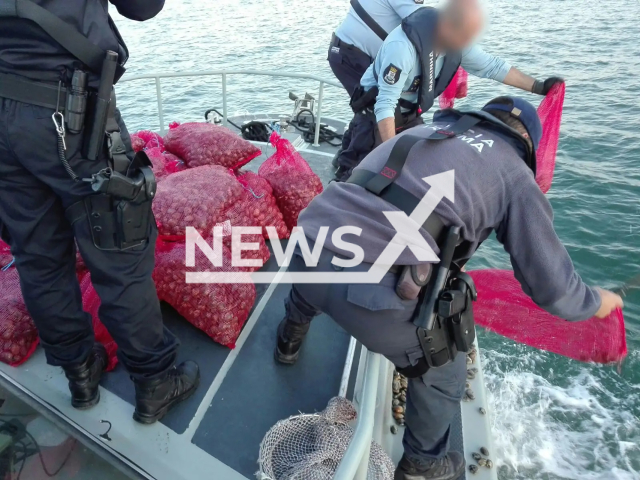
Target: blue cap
[523,111]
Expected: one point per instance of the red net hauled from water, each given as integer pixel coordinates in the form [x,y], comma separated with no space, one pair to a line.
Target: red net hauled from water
[293,181]
[550,113]
[458,88]
[504,308]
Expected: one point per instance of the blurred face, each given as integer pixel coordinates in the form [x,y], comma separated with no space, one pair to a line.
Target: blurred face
[461,22]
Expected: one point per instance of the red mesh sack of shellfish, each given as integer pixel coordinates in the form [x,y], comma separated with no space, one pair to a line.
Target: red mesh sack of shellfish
[504,308]
[150,139]
[294,183]
[164,163]
[218,309]
[550,113]
[18,334]
[206,144]
[202,198]
[261,204]
[137,143]
[458,88]
[5,254]
[91,305]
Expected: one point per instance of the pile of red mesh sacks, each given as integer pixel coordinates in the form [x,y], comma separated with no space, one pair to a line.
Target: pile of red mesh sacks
[18,334]
[209,190]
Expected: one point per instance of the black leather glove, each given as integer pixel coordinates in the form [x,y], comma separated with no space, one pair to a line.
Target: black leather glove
[542,87]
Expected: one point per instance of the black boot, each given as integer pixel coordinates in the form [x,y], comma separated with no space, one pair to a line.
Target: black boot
[154,398]
[450,467]
[290,338]
[341,174]
[84,379]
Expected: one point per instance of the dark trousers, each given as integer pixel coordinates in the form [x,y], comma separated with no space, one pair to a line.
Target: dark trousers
[364,137]
[35,190]
[381,321]
[348,64]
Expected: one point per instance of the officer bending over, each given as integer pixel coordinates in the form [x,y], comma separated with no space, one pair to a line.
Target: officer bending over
[60,185]
[414,66]
[419,315]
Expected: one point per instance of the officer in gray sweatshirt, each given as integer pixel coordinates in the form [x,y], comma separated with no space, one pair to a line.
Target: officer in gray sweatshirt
[495,190]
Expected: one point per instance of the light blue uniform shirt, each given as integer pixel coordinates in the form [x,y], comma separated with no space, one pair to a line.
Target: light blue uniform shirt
[398,68]
[387,13]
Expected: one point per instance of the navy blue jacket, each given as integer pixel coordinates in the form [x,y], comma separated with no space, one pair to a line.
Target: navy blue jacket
[27,50]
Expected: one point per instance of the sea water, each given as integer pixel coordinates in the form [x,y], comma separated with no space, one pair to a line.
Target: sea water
[553,418]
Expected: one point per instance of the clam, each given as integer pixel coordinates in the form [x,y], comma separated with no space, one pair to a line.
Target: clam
[489,464]
[484,451]
[469,393]
[473,469]
[482,462]
[482,411]
[476,456]
[394,429]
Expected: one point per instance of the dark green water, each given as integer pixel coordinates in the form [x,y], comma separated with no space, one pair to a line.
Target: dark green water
[553,418]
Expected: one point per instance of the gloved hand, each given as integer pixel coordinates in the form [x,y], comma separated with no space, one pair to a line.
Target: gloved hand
[542,87]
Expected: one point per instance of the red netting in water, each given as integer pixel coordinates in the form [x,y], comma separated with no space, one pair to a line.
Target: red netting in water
[218,309]
[458,88]
[504,308]
[91,305]
[550,113]
[262,205]
[18,335]
[294,183]
[206,144]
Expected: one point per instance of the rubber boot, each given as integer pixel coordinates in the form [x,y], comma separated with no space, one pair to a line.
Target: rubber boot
[290,338]
[154,398]
[84,379]
[449,467]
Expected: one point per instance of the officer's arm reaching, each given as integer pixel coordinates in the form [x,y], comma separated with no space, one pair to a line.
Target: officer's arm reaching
[482,64]
[541,263]
[139,10]
[394,64]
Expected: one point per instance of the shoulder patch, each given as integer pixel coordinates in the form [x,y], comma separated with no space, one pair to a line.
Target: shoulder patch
[419,2]
[392,74]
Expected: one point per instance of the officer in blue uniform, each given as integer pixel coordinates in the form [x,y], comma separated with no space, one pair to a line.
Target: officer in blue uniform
[459,155]
[431,45]
[60,185]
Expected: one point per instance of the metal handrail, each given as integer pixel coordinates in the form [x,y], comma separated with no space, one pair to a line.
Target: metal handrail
[355,461]
[223,73]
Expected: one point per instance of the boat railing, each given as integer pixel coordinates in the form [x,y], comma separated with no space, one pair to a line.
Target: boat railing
[224,74]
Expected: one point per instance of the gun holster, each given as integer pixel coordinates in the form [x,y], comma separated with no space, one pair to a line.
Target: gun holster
[119,215]
[361,100]
[453,330]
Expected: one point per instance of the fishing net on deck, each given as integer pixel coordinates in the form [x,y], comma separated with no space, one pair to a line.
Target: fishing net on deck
[550,113]
[310,447]
[504,308]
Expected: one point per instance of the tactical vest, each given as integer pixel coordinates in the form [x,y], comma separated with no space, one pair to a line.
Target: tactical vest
[420,28]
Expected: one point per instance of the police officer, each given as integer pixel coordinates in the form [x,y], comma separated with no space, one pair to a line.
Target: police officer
[413,68]
[47,204]
[493,187]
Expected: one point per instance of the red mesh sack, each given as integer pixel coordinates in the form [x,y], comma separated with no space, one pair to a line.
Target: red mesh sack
[137,143]
[456,89]
[5,254]
[550,113]
[206,144]
[220,310]
[18,334]
[504,308]
[261,204]
[91,305]
[164,163]
[150,139]
[196,197]
[294,183]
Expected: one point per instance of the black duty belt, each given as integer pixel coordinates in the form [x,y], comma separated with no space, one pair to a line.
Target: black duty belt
[48,95]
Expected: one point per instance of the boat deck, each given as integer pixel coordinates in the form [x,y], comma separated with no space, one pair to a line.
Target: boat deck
[216,434]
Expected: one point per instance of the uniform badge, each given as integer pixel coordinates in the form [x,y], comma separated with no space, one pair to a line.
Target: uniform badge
[392,74]
[419,2]
[415,85]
